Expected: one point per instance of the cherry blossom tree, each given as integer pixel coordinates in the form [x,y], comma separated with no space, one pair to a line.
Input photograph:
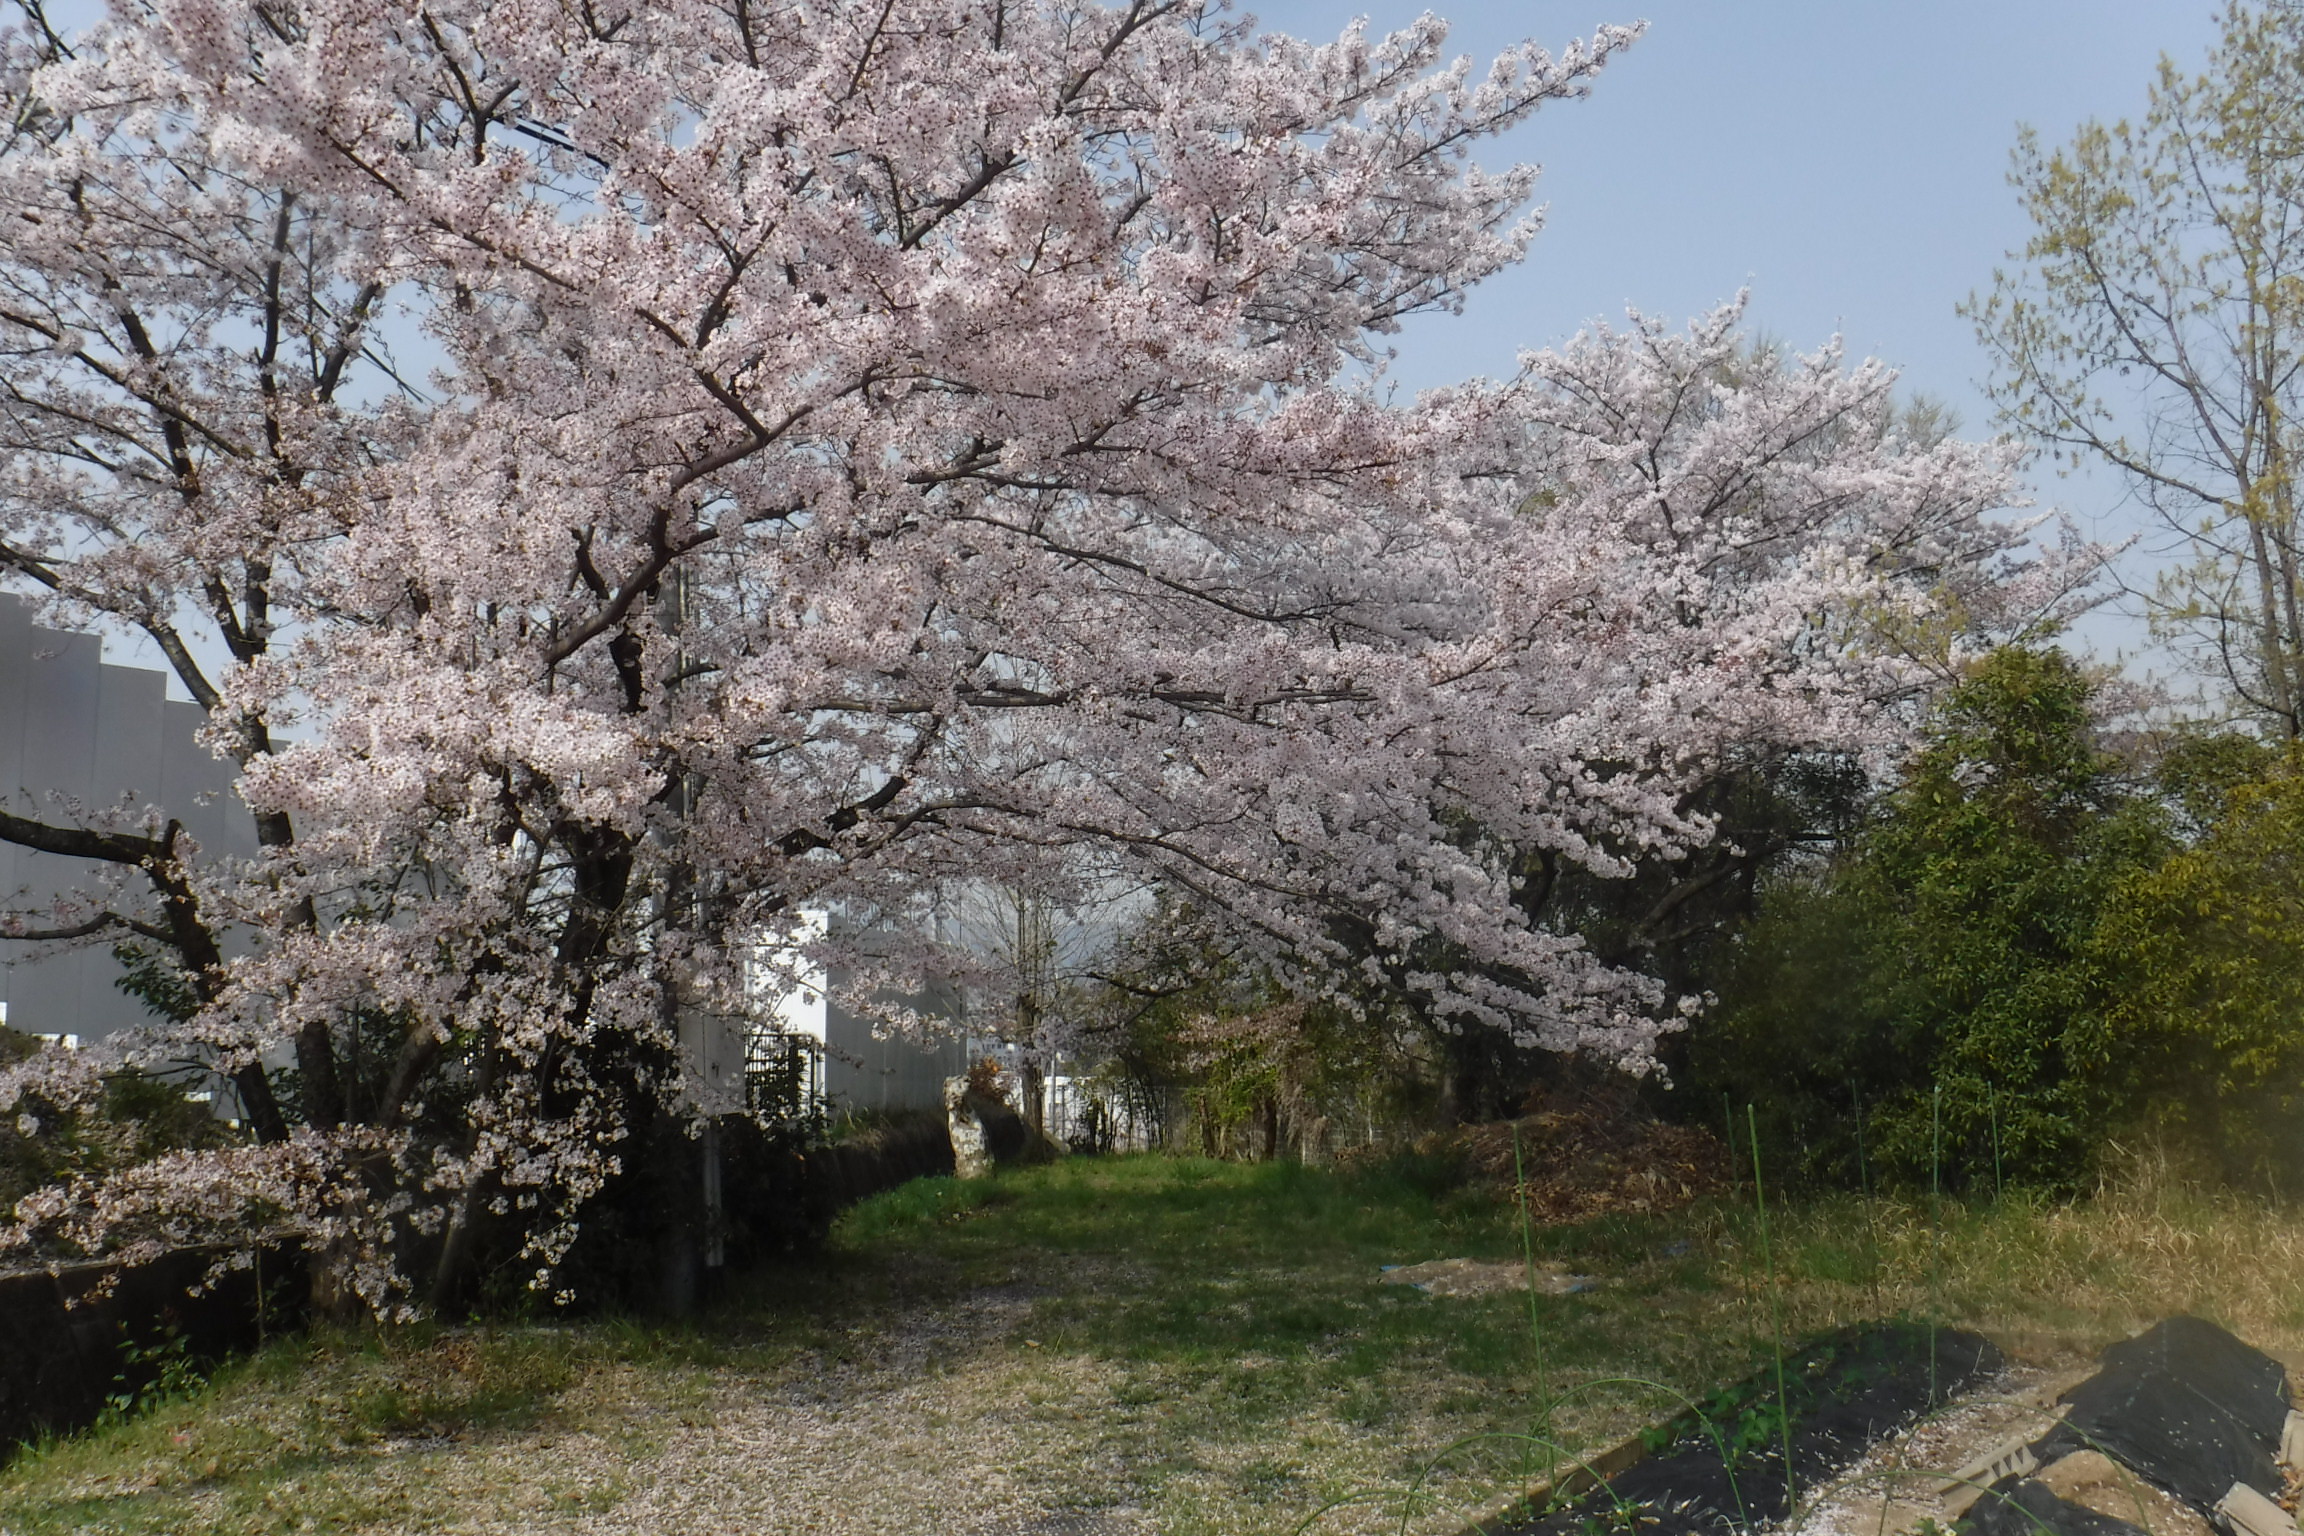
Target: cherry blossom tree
[618,476]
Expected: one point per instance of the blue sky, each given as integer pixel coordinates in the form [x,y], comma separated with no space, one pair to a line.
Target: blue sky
[1846,159]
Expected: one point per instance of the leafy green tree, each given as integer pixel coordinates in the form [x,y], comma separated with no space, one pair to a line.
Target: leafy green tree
[2207,948]
[1211,1047]
[1943,978]
[1995,864]
[2155,323]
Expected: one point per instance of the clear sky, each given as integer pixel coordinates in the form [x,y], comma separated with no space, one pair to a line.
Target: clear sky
[1846,159]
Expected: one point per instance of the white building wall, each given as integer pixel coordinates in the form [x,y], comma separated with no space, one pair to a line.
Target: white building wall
[861,1070]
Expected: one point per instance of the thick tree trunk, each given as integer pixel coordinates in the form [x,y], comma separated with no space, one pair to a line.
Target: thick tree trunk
[334,1301]
[1032,1098]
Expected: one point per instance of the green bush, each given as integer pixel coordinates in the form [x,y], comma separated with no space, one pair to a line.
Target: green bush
[1932,1002]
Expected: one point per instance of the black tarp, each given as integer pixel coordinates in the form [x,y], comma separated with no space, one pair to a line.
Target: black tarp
[1846,1391]
[2243,1381]
[2184,1405]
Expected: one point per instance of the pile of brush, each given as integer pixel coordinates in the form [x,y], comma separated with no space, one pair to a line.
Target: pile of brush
[1591,1154]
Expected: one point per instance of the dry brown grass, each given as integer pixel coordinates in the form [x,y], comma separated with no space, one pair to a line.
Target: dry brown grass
[2051,1278]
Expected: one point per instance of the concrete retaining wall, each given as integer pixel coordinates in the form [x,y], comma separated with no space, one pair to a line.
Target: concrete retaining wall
[66,1345]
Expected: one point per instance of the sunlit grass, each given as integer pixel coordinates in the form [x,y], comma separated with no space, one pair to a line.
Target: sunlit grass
[1206,1341]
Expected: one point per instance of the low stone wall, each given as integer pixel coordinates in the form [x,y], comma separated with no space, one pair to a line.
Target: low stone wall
[69,1341]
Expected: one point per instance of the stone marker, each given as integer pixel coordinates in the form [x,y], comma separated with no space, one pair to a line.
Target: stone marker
[971,1153]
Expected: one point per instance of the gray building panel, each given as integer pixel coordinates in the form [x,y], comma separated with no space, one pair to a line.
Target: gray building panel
[15,642]
[181,762]
[61,679]
[126,776]
[867,1072]
[196,786]
[15,646]
[129,715]
[58,734]
[45,989]
[11,896]
[72,726]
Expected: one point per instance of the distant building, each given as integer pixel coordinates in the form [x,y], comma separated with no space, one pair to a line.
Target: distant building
[848,1066]
[813,1055]
[101,735]
[73,725]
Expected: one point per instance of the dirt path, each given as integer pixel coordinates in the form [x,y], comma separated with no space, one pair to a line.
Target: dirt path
[953,1421]
[955,1426]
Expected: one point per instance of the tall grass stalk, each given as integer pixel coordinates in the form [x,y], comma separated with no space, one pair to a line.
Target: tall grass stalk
[1776,1318]
[1535,1321]
[1935,1229]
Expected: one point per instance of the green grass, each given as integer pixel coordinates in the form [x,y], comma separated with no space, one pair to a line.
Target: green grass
[1204,1341]
[1249,1290]
[300,1435]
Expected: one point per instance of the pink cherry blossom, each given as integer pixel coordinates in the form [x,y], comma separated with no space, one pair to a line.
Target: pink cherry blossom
[619,478]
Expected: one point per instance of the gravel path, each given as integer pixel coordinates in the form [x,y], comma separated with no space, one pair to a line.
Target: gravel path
[928,1430]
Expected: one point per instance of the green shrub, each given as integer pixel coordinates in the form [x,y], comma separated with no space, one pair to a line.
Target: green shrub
[1933,1001]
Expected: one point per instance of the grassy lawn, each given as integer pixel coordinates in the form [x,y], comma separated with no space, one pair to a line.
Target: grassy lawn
[1193,1347]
